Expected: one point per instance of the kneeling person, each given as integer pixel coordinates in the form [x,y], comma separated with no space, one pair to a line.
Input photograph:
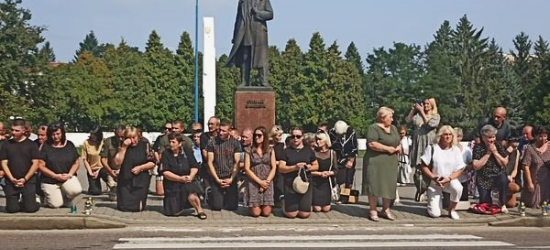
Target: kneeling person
[179,168]
[20,159]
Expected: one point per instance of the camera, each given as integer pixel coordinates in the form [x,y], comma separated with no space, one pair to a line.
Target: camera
[419,101]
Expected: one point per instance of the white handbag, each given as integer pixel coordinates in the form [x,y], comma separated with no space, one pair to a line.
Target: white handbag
[299,185]
[334,189]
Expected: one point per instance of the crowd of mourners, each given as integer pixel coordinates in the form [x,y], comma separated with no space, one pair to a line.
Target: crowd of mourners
[304,173]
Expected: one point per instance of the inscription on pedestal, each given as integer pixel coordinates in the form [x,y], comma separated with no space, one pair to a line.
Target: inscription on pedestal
[254,107]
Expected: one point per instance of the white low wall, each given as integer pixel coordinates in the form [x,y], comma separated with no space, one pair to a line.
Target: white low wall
[79,138]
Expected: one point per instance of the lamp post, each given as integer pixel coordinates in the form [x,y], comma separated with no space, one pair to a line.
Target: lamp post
[196,60]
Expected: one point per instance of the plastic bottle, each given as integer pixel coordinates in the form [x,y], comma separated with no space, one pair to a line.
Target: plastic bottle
[544,208]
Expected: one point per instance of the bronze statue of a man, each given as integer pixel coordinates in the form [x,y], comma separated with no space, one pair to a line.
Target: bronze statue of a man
[250,39]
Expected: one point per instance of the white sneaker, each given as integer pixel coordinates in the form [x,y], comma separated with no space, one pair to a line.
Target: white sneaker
[454,215]
[504,210]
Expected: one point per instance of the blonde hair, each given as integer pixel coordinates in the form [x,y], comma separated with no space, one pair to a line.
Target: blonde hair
[434,106]
[324,137]
[276,130]
[309,138]
[383,112]
[131,131]
[444,129]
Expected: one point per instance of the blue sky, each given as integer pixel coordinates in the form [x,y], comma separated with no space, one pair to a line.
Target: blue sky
[370,24]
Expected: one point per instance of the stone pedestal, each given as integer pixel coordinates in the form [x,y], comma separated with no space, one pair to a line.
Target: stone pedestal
[254,106]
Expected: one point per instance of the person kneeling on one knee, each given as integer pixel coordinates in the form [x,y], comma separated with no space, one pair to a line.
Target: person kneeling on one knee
[442,162]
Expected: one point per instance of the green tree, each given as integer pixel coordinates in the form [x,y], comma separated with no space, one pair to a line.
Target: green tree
[395,76]
[185,76]
[227,80]
[161,85]
[289,76]
[130,91]
[19,60]
[316,78]
[470,53]
[540,105]
[352,55]
[90,44]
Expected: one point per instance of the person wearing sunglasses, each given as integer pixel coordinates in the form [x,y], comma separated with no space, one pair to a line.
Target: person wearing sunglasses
[296,158]
[260,167]
[61,162]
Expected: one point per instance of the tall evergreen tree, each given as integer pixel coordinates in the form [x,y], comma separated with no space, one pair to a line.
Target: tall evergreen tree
[90,44]
[316,78]
[161,84]
[291,77]
[185,66]
[440,81]
[352,55]
[540,105]
[470,50]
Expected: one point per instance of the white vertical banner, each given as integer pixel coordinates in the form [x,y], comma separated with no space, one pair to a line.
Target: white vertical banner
[209,70]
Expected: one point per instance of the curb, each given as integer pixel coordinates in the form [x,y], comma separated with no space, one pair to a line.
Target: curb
[523,222]
[56,222]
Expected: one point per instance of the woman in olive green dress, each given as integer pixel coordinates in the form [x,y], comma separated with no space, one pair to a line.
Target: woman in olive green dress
[381,163]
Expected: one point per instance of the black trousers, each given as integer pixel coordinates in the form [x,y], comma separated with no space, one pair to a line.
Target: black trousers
[500,182]
[94,185]
[26,193]
[224,198]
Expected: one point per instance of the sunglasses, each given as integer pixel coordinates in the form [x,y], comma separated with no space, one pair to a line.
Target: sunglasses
[296,137]
[166,128]
[258,135]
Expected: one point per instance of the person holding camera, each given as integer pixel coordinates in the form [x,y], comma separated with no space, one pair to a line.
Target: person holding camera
[425,120]
[536,166]
[442,162]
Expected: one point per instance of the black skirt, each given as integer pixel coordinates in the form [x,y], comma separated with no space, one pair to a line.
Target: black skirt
[132,195]
[321,191]
[176,197]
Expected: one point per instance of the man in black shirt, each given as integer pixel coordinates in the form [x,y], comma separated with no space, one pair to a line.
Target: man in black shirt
[223,165]
[20,158]
[504,129]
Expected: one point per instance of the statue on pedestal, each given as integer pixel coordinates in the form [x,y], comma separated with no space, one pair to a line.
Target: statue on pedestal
[250,45]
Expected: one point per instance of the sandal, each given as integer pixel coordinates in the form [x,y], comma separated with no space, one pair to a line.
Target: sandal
[373,216]
[202,216]
[388,216]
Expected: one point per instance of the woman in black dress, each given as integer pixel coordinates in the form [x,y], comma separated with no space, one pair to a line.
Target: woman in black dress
[323,178]
[275,142]
[295,158]
[179,168]
[135,160]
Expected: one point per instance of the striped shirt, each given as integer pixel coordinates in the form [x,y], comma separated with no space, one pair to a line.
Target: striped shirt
[224,155]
